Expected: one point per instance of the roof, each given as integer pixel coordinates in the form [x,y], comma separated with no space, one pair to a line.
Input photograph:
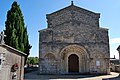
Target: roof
[115,61]
[104,28]
[44,29]
[73,7]
[118,48]
[4,45]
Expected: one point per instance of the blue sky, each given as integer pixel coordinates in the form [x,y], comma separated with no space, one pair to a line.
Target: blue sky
[34,12]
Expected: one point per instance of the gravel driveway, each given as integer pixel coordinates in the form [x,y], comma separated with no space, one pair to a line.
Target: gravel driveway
[35,76]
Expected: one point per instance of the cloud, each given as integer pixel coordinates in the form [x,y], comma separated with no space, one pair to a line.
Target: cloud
[114,52]
[115,41]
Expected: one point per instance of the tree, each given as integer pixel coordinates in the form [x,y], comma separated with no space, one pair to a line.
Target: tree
[32,60]
[16,32]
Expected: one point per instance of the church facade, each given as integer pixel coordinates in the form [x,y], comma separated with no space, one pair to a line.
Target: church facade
[73,42]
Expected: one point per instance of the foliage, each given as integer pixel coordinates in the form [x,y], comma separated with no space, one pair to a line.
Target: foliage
[16,32]
[32,60]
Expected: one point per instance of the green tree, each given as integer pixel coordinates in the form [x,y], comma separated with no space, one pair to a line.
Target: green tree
[32,60]
[16,32]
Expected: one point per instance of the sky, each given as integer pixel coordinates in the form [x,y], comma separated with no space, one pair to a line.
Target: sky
[34,12]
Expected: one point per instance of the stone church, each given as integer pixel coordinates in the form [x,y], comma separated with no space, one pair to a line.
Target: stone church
[73,43]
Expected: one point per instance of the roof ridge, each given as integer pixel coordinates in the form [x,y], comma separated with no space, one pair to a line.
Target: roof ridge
[73,6]
[13,48]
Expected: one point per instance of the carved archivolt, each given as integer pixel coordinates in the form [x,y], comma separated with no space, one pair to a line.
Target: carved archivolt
[73,49]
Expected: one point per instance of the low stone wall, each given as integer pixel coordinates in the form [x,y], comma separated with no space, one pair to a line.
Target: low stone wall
[117,68]
[5,73]
[114,68]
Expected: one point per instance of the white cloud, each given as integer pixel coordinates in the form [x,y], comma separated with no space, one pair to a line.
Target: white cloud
[115,41]
[114,52]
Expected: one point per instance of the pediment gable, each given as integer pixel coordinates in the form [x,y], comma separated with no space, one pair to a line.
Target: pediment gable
[74,8]
[72,13]
[118,48]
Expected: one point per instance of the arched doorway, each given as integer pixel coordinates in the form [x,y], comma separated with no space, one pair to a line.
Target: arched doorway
[74,55]
[73,63]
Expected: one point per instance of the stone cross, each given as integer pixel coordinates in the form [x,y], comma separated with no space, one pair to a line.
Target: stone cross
[2,38]
[72,3]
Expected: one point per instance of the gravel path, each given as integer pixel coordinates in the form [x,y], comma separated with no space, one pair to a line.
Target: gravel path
[35,76]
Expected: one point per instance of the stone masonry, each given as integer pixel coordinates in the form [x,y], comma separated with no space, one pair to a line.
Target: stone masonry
[73,43]
[11,62]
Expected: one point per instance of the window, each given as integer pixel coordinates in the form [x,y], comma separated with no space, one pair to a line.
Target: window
[97,63]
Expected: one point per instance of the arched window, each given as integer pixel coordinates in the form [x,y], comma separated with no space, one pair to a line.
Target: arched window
[49,56]
[49,63]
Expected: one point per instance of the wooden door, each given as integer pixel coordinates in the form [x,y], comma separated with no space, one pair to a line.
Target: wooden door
[73,63]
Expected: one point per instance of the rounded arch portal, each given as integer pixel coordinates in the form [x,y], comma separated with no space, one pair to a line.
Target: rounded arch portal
[73,48]
[71,53]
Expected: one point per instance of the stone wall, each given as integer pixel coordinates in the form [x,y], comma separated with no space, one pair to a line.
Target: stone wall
[73,13]
[74,26]
[11,57]
[117,68]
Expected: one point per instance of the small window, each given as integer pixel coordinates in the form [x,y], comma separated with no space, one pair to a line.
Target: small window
[97,63]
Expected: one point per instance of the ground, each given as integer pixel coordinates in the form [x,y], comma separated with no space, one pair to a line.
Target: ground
[35,76]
